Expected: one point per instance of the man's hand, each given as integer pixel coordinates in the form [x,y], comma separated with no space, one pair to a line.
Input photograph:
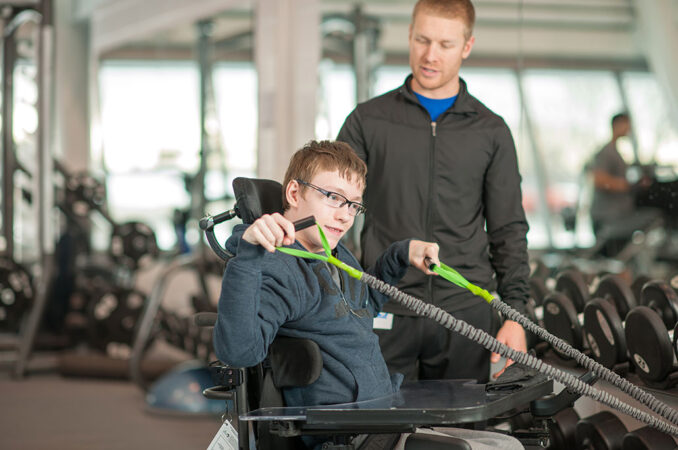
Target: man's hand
[513,335]
[420,251]
[270,231]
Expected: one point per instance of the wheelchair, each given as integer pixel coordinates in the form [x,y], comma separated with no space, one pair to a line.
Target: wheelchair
[255,393]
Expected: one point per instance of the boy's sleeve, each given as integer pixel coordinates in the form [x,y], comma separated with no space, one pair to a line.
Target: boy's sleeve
[253,304]
[390,267]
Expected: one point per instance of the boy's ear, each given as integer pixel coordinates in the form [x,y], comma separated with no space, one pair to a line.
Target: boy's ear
[293,193]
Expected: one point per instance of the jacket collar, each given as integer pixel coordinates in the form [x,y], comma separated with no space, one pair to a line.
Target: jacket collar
[463,105]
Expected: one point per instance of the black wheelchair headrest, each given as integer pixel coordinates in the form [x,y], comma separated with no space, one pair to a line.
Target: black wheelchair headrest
[255,197]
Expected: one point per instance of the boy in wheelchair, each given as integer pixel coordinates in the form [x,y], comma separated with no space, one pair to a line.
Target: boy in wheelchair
[267,293]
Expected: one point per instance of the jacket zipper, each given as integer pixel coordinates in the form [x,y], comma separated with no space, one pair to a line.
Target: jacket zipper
[429,207]
[341,293]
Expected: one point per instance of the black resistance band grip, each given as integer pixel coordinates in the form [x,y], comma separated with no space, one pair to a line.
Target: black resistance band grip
[304,223]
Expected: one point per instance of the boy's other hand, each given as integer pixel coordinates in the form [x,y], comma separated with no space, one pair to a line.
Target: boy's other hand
[270,231]
[420,251]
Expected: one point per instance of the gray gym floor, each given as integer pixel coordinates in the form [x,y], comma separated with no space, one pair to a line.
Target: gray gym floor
[50,411]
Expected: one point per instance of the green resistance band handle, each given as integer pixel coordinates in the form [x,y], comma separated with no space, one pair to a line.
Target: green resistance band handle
[455,277]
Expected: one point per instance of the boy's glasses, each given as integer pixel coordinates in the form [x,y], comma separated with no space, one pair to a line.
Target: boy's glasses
[336,200]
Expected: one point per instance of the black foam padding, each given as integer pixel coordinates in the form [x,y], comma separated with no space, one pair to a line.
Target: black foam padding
[604,332]
[421,441]
[648,343]
[255,197]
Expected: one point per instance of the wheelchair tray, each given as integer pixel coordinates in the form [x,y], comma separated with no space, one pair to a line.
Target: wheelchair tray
[430,402]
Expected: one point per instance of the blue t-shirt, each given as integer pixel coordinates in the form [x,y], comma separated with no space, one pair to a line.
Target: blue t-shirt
[436,106]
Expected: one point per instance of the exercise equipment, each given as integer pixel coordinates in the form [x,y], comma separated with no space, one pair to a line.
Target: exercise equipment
[601,431]
[603,325]
[562,309]
[180,392]
[650,335]
[647,438]
[16,294]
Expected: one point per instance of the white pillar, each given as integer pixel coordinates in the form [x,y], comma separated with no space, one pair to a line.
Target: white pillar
[287,50]
[71,118]
[658,36]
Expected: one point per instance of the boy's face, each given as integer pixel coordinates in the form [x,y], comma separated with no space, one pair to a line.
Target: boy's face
[306,201]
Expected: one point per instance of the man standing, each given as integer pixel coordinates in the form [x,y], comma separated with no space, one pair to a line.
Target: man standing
[442,167]
[612,199]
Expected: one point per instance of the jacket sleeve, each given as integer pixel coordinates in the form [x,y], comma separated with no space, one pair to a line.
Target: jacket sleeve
[506,223]
[253,304]
[352,134]
[390,267]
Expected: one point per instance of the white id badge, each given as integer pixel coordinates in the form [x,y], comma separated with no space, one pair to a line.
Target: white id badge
[383,321]
[226,438]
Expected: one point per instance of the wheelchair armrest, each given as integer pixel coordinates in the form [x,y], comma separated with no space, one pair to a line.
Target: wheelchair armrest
[219,393]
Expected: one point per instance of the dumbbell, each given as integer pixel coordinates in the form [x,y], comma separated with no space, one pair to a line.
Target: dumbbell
[540,281]
[648,438]
[561,309]
[602,430]
[637,285]
[651,345]
[603,326]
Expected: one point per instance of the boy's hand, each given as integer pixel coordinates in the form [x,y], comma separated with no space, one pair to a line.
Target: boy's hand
[270,231]
[420,251]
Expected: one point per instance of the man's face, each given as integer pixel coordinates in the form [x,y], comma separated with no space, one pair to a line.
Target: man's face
[306,201]
[437,49]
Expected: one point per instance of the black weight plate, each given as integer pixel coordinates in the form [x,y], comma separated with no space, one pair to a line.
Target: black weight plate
[101,309]
[562,429]
[131,241]
[637,286]
[659,296]
[602,430]
[647,339]
[122,323]
[571,283]
[604,332]
[84,193]
[538,290]
[614,287]
[538,269]
[560,319]
[16,294]
[531,338]
[673,282]
[648,438]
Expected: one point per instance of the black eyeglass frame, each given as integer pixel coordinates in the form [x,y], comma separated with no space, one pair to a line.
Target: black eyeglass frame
[327,194]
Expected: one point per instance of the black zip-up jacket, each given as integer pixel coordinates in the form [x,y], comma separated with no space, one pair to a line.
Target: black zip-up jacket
[454,181]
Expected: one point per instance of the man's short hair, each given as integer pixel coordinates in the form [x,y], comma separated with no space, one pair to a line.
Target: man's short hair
[618,118]
[449,9]
[318,156]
